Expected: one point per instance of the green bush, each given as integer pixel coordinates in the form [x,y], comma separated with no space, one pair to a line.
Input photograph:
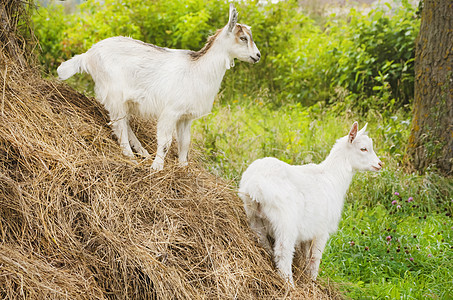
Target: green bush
[376,57]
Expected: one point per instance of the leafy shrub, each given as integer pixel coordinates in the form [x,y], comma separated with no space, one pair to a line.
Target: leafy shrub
[376,56]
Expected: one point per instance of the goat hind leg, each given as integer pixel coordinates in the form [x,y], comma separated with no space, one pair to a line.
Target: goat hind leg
[114,104]
[283,255]
[258,226]
[135,143]
[120,129]
[257,222]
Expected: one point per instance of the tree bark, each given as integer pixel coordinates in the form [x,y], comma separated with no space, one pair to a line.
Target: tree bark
[431,141]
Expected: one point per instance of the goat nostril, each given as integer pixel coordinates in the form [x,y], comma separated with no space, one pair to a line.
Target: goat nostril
[258,54]
[380,163]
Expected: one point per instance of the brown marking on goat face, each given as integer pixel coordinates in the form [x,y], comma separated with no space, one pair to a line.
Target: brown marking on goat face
[249,32]
[195,55]
[239,29]
[243,31]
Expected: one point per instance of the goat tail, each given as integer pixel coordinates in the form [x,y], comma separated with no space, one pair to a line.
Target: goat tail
[259,189]
[250,189]
[70,67]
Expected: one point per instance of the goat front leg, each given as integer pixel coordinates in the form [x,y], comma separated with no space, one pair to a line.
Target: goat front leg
[165,128]
[319,243]
[120,129]
[183,138]
[283,255]
[135,143]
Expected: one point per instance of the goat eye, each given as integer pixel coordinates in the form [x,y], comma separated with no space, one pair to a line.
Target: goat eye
[363,149]
[243,38]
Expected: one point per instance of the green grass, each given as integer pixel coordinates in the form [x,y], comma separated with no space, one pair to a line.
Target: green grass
[385,251]
[398,252]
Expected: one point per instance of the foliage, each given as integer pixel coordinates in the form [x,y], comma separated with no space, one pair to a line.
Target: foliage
[375,55]
[370,56]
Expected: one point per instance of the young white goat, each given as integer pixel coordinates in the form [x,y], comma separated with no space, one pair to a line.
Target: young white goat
[301,205]
[173,86]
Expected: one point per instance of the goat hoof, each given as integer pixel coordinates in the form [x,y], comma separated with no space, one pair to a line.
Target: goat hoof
[129,154]
[142,152]
[157,166]
[183,164]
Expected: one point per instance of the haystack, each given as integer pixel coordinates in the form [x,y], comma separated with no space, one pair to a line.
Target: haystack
[80,221]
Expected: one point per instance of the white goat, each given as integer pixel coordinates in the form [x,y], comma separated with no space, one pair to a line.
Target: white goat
[301,205]
[173,86]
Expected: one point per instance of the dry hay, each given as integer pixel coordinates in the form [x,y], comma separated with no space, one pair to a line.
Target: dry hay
[16,36]
[80,221]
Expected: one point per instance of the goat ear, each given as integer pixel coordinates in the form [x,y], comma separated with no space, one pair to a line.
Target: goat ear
[233,19]
[353,133]
[363,130]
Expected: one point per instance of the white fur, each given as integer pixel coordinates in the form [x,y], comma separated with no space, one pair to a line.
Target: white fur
[302,205]
[132,77]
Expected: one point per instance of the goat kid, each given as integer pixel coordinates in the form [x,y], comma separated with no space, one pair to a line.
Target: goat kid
[174,86]
[300,206]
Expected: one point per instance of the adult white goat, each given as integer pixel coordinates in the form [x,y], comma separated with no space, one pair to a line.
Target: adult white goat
[173,86]
[301,205]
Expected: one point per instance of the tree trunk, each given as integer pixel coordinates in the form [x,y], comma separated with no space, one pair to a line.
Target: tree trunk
[431,140]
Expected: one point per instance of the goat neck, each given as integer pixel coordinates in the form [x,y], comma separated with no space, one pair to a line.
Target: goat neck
[215,60]
[338,166]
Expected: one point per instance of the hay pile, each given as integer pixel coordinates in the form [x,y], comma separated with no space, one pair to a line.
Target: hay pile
[80,221]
